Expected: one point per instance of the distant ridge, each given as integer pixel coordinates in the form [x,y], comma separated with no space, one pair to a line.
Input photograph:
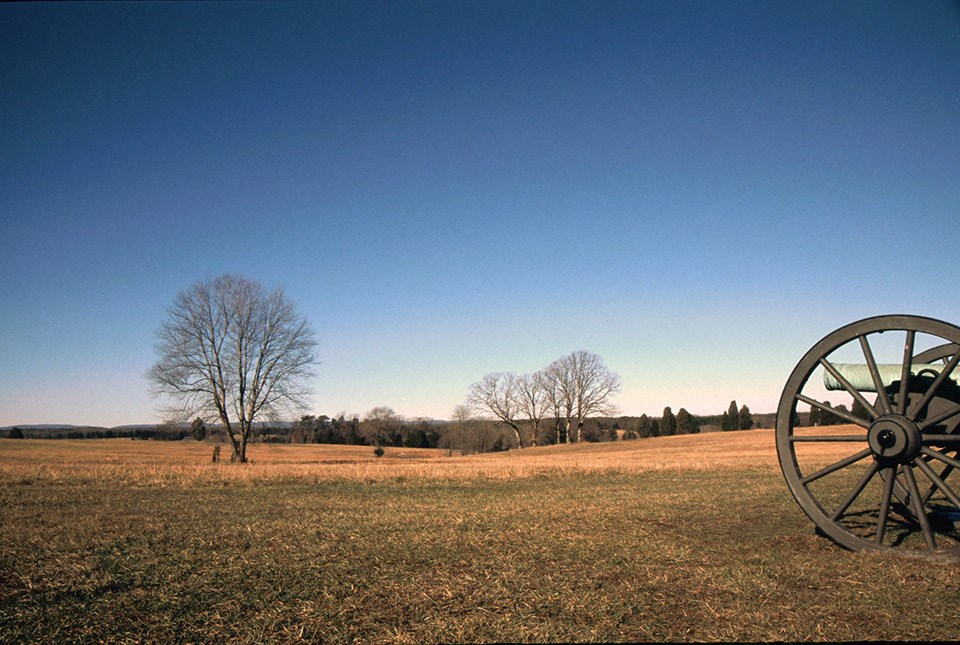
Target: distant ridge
[40,426]
[55,430]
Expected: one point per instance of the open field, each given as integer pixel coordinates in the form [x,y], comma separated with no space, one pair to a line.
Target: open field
[157,462]
[678,538]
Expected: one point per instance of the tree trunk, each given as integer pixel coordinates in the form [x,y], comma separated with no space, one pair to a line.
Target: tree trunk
[516,431]
[239,455]
[239,447]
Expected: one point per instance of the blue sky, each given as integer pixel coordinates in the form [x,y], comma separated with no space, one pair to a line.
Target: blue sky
[696,191]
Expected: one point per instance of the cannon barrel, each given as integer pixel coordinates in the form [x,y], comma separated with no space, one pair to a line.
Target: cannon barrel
[858,374]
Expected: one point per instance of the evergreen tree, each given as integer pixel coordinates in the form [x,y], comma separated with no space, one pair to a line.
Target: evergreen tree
[654,428]
[826,418]
[668,423]
[744,418]
[733,416]
[814,416]
[686,423]
[644,427]
[16,433]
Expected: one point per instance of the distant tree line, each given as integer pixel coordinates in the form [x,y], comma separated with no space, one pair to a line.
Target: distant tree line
[818,417]
[668,424]
[465,432]
[383,427]
[158,432]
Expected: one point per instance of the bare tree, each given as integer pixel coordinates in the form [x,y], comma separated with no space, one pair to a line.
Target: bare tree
[534,400]
[382,426]
[497,394]
[594,385]
[468,434]
[461,416]
[231,351]
[558,382]
[461,413]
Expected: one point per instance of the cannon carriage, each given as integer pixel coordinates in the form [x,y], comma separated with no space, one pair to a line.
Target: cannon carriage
[880,472]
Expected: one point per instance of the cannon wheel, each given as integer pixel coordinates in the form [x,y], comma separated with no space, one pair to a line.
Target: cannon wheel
[890,488]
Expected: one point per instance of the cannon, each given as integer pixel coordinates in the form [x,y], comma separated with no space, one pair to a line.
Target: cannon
[876,471]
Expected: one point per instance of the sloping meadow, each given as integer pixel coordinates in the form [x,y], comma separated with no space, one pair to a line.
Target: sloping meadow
[679,538]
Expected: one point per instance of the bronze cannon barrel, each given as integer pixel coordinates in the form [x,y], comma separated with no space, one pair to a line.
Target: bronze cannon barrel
[858,375]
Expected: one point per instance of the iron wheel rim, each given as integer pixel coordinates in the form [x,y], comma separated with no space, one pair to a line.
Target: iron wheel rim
[908,468]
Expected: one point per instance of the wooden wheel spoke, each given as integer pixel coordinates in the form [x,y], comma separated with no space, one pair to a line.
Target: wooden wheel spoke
[936,454]
[852,496]
[943,416]
[875,375]
[832,410]
[851,390]
[889,476]
[943,475]
[939,439]
[828,438]
[932,390]
[918,509]
[839,465]
[938,482]
[905,371]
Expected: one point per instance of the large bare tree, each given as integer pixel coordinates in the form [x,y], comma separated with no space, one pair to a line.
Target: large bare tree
[497,394]
[579,385]
[558,382]
[533,398]
[594,386]
[230,350]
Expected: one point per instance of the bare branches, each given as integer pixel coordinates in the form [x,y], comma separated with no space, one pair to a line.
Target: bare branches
[498,395]
[382,426]
[231,351]
[533,400]
[594,387]
[572,388]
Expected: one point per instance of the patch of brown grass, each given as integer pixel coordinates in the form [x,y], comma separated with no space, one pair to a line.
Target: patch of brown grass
[147,462]
[691,538]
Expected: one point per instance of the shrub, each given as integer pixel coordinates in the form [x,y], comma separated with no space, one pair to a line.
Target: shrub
[198,429]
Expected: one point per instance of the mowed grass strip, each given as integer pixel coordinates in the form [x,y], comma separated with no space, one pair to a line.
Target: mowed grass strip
[441,550]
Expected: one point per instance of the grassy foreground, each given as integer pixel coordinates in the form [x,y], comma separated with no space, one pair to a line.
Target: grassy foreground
[679,538]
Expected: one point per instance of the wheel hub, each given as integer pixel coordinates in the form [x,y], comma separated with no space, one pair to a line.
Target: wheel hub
[894,438]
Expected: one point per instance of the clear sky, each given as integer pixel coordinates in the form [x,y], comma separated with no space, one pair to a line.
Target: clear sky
[696,191]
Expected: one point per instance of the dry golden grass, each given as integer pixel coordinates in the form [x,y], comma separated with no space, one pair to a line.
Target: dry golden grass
[691,538]
[155,462]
